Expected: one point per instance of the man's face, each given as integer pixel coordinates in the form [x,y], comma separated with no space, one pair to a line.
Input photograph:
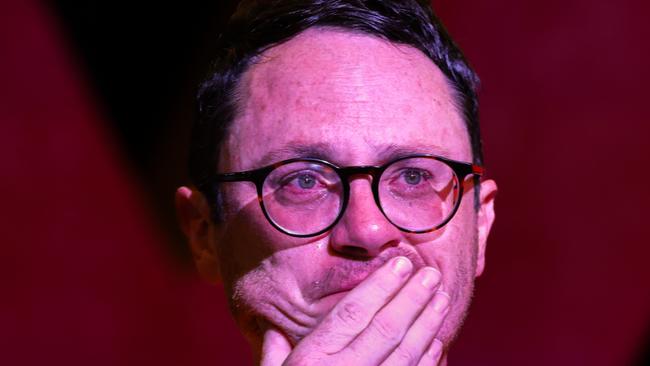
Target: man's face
[350,99]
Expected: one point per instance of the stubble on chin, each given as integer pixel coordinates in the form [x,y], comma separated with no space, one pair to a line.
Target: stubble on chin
[271,296]
[267,297]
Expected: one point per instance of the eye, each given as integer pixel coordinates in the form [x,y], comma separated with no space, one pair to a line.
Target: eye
[306,181]
[302,187]
[414,176]
[301,184]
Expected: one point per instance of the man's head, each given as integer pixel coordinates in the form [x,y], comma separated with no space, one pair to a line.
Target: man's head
[355,83]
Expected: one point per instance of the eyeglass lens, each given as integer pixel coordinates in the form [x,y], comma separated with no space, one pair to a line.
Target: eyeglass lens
[417,194]
[306,197]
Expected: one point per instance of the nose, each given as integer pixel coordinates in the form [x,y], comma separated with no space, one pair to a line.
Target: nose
[363,231]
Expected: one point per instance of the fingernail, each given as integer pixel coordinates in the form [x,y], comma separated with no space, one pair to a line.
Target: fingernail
[441,301]
[401,266]
[430,277]
[435,351]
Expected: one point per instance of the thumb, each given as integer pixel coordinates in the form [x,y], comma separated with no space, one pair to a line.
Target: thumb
[275,348]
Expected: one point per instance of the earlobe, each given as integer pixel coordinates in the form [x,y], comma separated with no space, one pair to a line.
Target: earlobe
[193,214]
[485,221]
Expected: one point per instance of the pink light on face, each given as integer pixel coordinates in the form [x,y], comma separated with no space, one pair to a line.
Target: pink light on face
[349,105]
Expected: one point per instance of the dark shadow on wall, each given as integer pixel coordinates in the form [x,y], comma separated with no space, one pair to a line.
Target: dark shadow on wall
[145,60]
[644,351]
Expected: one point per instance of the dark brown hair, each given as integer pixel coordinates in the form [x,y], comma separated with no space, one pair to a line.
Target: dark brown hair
[259,25]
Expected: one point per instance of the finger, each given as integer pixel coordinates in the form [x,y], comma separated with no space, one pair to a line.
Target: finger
[275,348]
[433,355]
[420,335]
[389,326]
[354,312]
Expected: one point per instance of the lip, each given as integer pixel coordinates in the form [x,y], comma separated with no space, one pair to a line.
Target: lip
[353,277]
[343,279]
[347,275]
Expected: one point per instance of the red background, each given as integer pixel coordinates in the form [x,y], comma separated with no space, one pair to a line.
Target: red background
[87,275]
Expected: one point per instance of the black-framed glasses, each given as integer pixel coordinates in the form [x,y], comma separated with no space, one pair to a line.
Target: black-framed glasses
[307,197]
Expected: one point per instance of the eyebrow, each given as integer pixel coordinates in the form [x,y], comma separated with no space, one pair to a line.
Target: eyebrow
[324,151]
[390,152]
[296,149]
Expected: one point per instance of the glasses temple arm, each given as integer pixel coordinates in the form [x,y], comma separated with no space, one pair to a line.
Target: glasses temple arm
[235,177]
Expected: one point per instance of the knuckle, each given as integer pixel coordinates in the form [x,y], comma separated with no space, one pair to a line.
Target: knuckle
[418,296]
[351,313]
[386,329]
[405,356]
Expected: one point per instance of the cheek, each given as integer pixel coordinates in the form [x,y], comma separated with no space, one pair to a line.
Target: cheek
[270,292]
[258,294]
[453,249]
[237,248]
[246,234]
[247,240]
[454,252]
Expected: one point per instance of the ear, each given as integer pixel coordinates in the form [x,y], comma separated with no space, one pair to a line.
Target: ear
[485,220]
[193,214]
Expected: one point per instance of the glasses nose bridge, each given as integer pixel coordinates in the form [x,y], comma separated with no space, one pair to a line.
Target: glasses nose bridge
[347,173]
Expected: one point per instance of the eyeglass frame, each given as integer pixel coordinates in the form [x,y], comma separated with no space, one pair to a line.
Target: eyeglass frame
[258,176]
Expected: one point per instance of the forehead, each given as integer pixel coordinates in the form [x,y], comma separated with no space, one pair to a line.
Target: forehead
[350,98]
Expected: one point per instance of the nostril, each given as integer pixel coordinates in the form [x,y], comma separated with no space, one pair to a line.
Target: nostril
[354,251]
[363,252]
